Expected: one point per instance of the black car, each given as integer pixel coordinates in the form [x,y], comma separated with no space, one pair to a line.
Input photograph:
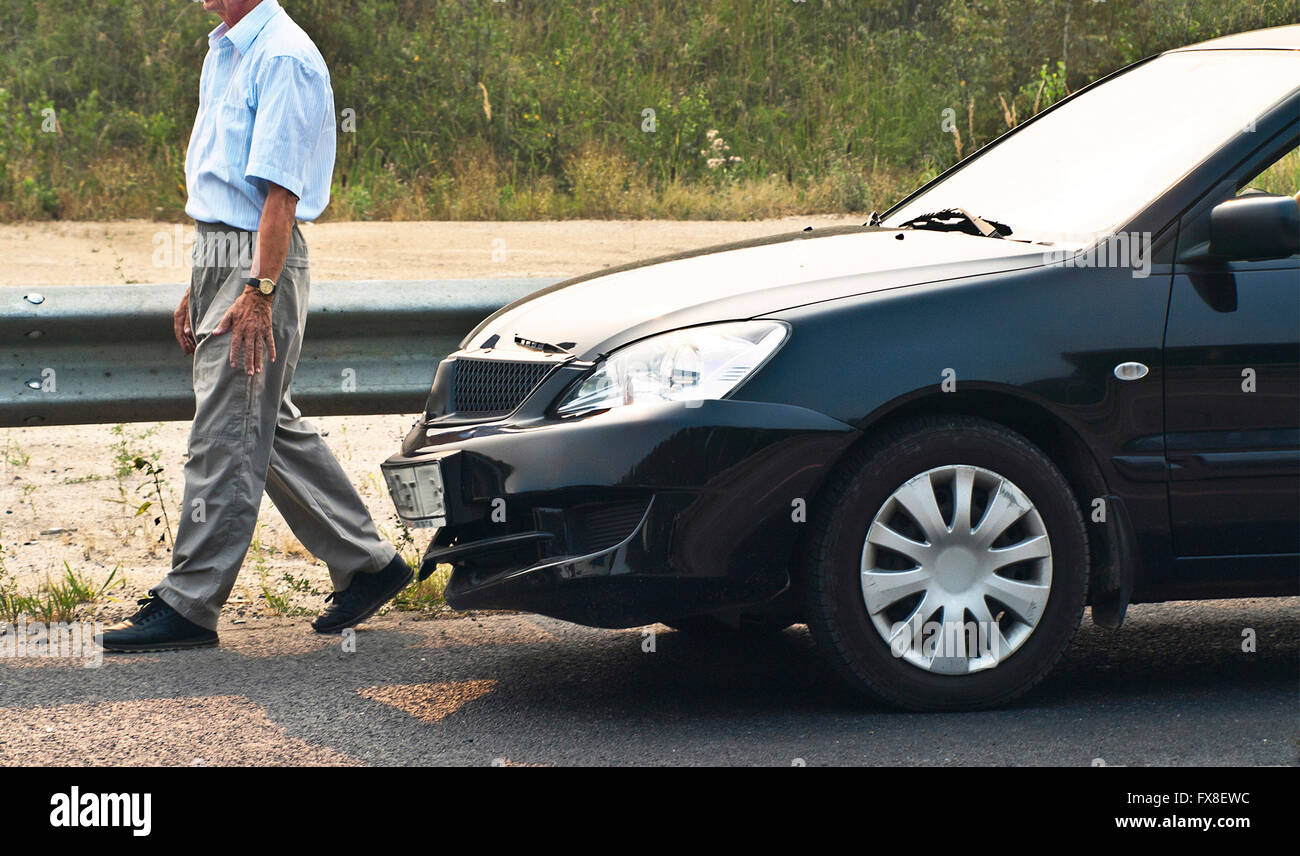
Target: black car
[1065,372]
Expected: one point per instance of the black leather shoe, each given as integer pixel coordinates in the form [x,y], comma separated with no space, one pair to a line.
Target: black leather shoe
[156,627]
[363,597]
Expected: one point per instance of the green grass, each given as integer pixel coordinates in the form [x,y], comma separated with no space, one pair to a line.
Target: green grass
[55,600]
[279,597]
[425,595]
[422,595]
[525,109]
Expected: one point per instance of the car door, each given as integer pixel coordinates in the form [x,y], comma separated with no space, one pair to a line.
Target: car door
[1232,393]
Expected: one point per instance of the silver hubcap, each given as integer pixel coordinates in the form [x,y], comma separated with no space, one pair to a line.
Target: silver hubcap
[956,569]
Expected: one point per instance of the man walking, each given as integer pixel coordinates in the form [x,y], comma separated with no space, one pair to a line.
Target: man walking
[260,158]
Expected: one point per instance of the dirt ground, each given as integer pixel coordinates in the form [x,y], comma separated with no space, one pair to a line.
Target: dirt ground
[68,495]
[140,251]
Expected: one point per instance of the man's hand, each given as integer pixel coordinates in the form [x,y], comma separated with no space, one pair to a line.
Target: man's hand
[249,321]
[181,325]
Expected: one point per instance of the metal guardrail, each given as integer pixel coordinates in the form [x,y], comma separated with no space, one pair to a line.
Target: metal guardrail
[96,354]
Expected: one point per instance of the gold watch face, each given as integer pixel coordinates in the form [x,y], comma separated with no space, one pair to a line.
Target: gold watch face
[266,286]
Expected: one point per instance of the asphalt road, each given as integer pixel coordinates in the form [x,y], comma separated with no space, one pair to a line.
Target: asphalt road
[1173,687]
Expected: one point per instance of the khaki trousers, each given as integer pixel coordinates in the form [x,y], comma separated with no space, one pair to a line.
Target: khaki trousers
[248,437]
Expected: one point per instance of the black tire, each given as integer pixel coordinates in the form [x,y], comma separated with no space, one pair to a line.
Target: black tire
[834,606]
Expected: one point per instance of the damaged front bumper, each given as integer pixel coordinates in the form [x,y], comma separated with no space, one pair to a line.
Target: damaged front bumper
[620,518]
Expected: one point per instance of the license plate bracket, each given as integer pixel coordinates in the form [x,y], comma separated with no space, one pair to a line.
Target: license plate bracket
[418,489]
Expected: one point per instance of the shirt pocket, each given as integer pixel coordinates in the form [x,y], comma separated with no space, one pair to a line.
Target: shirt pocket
[234,135]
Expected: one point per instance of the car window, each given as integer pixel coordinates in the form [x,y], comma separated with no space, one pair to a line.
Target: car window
[1083,169]
[1280,178]
[1271,171]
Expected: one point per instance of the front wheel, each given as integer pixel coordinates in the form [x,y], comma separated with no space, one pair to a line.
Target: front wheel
[948,566]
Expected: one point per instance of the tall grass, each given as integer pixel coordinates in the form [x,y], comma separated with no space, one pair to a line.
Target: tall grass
[540,108]
[55,600]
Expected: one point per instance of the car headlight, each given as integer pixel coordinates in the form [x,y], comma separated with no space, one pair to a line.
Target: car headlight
[684,365]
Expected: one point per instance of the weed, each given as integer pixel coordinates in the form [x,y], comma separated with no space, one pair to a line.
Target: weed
[55,600]
[427,594]
[154,472]
[14,456]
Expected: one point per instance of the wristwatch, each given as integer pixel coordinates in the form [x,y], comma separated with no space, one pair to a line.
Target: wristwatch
[262,284]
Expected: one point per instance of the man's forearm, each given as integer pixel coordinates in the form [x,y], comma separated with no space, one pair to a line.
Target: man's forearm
[273,232]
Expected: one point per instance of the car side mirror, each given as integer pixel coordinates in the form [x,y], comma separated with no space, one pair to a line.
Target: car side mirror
[1255,228]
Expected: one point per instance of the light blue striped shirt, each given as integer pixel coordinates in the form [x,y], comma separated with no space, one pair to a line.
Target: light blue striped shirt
[266,113]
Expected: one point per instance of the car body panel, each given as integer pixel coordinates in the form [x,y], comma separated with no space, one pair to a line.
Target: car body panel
[1028,335]
[1233,410]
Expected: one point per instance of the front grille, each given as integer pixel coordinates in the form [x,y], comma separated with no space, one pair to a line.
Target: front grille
[493,387]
